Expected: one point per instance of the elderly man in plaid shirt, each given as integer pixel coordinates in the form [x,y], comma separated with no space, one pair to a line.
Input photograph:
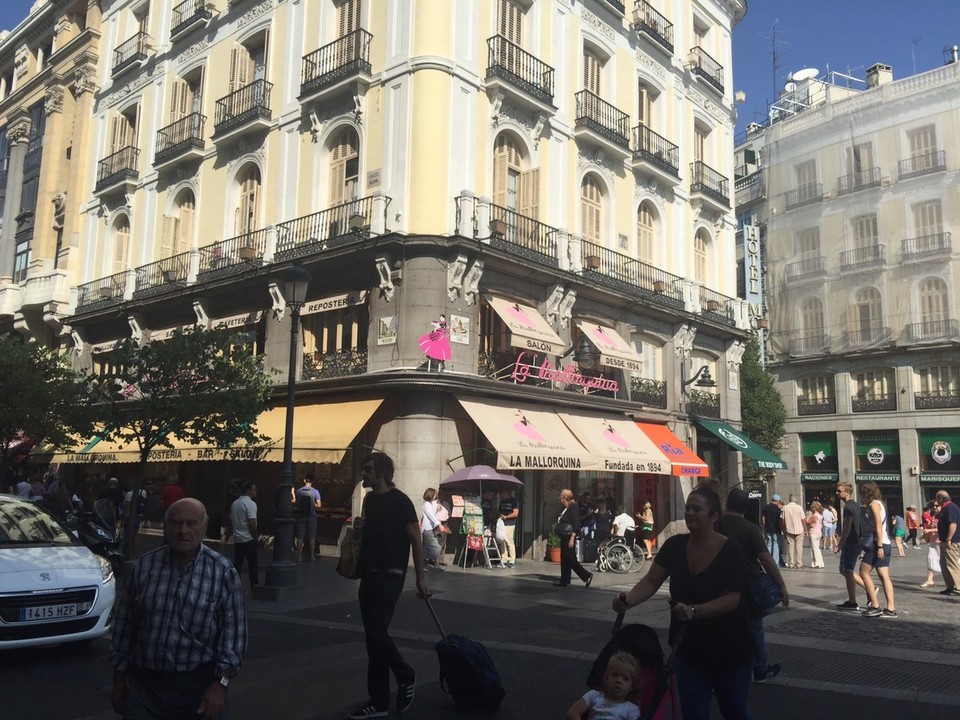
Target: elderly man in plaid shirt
[181,626]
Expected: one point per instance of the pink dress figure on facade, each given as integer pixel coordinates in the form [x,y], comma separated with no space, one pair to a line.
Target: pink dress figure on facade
[605,340]
[518,314]
[610,433]
[526,428]
[436,343]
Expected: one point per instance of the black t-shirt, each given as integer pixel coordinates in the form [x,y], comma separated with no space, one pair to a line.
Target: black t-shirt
[385,544]
[771,519]
[507,506]
[715,642]
[752,545]
[852,514]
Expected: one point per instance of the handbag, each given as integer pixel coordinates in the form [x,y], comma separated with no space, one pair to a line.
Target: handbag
[348,566]
[474,542]
[765,593]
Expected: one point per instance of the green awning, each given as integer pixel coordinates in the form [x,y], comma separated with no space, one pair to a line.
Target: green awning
[740,442]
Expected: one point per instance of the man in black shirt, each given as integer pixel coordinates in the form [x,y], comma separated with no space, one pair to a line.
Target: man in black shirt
[773,528]
[849,546]
[390,529]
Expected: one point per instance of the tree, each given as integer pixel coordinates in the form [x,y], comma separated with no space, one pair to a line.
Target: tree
[41,398]
[761,407]
[200,387]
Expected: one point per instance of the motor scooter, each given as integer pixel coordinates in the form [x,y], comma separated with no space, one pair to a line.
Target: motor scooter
[97,529]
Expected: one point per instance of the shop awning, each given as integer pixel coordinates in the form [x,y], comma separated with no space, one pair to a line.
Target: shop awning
[617,441]
[322,433]
[683,460]
[528,328]
[738,441]
[614,350]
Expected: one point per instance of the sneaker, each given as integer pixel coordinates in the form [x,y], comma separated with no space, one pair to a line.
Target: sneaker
[872,612]
[405,692]
[890,614]
[367,710]
[772,672]
[847,605]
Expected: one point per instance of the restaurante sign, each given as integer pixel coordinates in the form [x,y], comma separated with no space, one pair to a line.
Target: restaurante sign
[567,375]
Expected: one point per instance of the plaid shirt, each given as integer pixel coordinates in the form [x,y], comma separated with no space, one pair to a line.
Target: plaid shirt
[174,620]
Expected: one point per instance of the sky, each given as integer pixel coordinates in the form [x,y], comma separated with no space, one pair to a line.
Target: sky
[840,35]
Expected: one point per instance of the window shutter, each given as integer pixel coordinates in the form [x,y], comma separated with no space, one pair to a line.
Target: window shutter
[591,73]
[530,193]
[178,100]
[500,177]
[168,236]
[121,248]
[184,237]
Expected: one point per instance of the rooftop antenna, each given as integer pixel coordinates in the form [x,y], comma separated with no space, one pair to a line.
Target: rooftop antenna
[914,41]
[775,57]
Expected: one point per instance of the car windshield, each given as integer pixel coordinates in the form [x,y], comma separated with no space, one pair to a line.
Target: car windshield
[24,523]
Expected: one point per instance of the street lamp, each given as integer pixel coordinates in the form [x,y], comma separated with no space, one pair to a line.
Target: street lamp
[281,576]
[701,378]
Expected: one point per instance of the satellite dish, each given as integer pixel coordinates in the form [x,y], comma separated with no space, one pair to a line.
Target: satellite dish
[790,87]
[805,74]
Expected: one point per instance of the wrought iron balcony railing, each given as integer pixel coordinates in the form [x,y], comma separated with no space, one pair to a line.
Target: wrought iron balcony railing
[649,21]
[340,363]
[867,337]
[860,258]
[932,162]
[936,399]
[608,267]
[933,330]
[862,180]
[719,306]
[816,406]
[119,167]
[523,236]
[652,393]
[804,195]
[513,64]
[703,403]
[130,52]
[330,228]
[706,67]
[704,179]
[874,403]
[188,14]
[809,344]
[248,103]
[344,57]
[926,246]
[103,290]
[809,267]
[649,146]
[178,137]
[601,117]
[617,5]
[229,256]
[155,277]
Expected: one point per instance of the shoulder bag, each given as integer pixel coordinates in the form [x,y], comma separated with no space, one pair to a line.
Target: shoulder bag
[348,565]
[765,593]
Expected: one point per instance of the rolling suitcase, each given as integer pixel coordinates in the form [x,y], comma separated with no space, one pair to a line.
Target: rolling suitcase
[466,671]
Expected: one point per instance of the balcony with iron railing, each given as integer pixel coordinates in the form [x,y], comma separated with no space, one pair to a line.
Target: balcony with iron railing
[344,60]
[622,272]
[868,337]
[603,122]
[518,69]
[717,306]
[647,21]
[334,364]
[854,182]
[807,268]
[809,344]
[248,107]
[523,236]
[709,184]
[707,68]
[130,53]
[816,406]
[933,330]
[863,258]
[166,274]
[653,150]
[927,247]
[936,399]
[233,255]
[749,187]
[102,291]
[182,140]
[189,15]
[803,195]
[647,392]
[703,403]
[877,402]
[118,169]
[931,162]
[325,230]
[617,5]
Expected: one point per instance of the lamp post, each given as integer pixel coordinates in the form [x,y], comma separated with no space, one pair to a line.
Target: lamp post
[281,576]
[701,378]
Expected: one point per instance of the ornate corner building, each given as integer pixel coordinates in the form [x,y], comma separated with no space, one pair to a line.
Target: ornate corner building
[516,216]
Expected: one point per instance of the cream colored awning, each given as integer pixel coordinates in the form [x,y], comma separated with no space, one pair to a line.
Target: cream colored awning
[617,441]
[528,328]
[614,350]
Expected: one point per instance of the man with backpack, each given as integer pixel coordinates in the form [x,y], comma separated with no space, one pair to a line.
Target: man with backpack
[849,546]
[306,502]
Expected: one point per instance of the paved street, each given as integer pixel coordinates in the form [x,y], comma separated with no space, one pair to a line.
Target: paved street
[306,659]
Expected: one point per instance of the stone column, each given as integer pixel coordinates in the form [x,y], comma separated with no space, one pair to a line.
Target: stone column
[17,133]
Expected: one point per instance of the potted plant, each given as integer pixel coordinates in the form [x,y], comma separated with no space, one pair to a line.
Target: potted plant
[553,545]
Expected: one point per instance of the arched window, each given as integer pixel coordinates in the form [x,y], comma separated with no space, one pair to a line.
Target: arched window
[344,167]
[248,205]
[933,307]
[701,245]
[121,244]
[646,226]
[506,172]
[178,228]
[867,316]
[811,317]
[591,209]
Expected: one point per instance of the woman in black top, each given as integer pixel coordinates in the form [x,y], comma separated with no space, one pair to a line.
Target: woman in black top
[568,527]
[706,572]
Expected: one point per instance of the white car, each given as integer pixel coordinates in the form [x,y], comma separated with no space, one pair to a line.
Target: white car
[52,588]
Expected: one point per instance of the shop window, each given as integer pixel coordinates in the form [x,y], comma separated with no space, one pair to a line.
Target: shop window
[335,343]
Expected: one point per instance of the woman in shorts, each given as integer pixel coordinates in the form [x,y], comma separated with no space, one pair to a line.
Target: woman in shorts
[876,551]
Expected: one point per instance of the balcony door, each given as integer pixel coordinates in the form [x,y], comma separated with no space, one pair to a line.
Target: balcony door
[121,245]
[934,307]
[123,130]
[867,315]
[248,207]
[591,209]
[344,168]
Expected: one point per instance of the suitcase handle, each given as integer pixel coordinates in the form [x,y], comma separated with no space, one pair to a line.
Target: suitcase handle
[436,619]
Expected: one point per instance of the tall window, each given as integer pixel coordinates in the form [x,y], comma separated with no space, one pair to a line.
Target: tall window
[645,99]
[121,244]
[860,158]
[934,304]
[867,314]
[248,205]
[811,317]
[701,246]
[646,226]
[923,145]
[336,342]
[344,168]
[874,384]
[699,142]
[927,218]
[864,232]
[248,63]
[123,130]
[510,21]
[513,187]
[806,177]
[591,209]
[940,380]
[185,97]
[592,68]
[178,228]
[348,17]
[652,355]
[808,243]
[816,388]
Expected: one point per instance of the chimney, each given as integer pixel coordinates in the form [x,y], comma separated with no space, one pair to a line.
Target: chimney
[879,74]
[951,54]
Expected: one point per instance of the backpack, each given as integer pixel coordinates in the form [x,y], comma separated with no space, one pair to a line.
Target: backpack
[304,503]
[868,530]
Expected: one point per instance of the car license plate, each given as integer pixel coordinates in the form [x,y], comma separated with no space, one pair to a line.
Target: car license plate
[53,612]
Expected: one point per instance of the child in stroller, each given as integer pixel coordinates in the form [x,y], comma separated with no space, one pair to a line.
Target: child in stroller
[612,700]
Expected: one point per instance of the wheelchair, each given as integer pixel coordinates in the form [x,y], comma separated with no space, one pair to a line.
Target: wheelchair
[620,554]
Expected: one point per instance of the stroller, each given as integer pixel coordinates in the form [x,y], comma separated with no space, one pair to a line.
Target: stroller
[658,699]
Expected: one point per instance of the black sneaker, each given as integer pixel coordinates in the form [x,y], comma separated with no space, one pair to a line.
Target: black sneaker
[772,672]
[367,710]
[847,605]
[872,612]
[890,614]
[405,692]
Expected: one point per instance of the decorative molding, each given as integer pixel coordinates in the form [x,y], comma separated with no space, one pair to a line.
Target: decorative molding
[328,114]
[471,282]
[650,64]
[121,93]
[84,78]
[192,51]
[601,26]
[18,130]
[566,307]
[598,162]
[683,341]
[735,354]
[383,266]
[21,61]
[53,99]
[245,151]
[456,269]
[707,105]
[551,308]
[254,13]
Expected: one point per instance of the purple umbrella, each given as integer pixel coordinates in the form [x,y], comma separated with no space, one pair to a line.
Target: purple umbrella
[480,475]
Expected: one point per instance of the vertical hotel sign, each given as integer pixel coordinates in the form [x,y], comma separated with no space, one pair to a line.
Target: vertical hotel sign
[753,277]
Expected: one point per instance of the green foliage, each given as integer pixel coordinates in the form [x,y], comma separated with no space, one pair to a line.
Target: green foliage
[761,407]
[553,539]
[41,398]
